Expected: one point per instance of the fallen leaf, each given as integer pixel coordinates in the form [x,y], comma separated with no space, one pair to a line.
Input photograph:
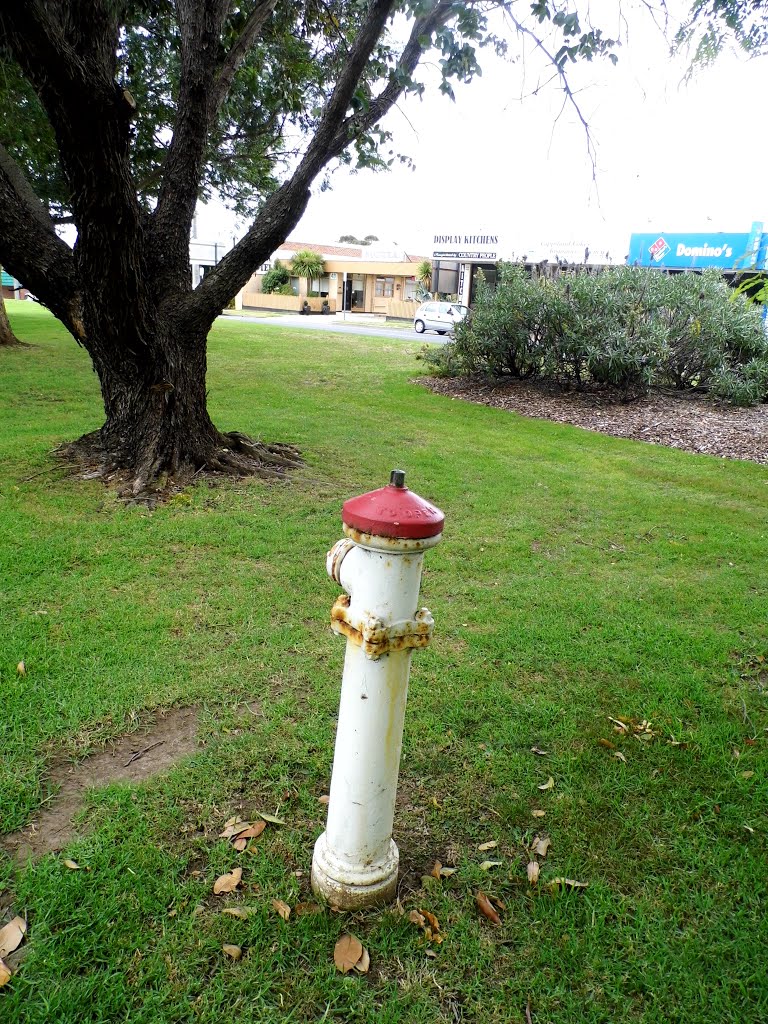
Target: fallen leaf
[749,829]
[364,962]
[490,845]
[747,775]
[240,912]
[488,864]
[5,974]
[432,919]
[538,814]
[607,743]
[11,935]
[234,951]
[282,908]
[486,909]
[240,844]
[539,751]
[436,869]
[21,668]
[620,756]
[497,902]
[72,865]
[541,846]
[271,818]
[347,952]
[447,872]
[416,918]
[567,883]
[232,827]
[228,882]
[323,799]
[251,831]
[307,908]
[431,953]
[549,784]
[533,871]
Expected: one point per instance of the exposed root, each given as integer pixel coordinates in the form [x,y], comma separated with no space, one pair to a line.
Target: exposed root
[155,478]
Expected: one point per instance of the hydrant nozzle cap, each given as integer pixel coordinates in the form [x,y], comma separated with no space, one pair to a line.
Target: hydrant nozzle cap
[393,511]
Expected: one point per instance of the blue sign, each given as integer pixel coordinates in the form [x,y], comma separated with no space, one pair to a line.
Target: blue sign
[698,251]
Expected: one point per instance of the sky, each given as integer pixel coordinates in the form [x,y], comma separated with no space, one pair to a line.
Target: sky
[507,159]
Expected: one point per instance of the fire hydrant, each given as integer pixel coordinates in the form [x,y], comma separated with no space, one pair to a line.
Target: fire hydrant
[379,565]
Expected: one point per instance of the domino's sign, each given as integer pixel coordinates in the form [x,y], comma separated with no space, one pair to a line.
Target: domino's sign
[697,251]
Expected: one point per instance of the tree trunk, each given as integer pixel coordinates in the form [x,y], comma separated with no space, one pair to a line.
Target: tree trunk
[7,337]
[157,426]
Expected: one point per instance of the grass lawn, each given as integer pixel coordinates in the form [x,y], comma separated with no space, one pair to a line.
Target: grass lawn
[581,578]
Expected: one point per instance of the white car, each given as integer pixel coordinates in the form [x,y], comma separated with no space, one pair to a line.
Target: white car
[438,316]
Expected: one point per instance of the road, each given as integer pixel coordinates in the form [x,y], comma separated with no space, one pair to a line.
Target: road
[325,323]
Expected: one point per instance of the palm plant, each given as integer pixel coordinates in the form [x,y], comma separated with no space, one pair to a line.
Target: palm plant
[307,264]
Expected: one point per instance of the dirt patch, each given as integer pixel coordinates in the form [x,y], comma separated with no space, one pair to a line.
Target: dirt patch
[691,422]
[170,736]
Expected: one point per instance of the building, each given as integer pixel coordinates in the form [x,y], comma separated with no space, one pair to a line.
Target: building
[355,279]
[457,259]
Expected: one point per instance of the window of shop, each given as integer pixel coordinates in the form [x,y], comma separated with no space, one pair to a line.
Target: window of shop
[409,290]
[321,286]
[358,292]
[385,287]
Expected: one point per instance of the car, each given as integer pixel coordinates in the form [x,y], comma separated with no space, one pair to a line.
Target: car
[438,316]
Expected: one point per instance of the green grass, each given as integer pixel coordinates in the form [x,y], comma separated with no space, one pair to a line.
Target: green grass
[580,577]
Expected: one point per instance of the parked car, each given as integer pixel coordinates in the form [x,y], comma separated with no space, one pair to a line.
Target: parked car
[438,316]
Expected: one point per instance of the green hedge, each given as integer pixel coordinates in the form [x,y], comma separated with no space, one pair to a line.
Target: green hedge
[629,328]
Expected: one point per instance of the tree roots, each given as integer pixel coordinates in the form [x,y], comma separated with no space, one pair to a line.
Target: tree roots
[152,477]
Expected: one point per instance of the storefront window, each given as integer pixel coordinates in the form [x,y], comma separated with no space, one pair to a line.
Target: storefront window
[409,290]
[385,287]
[358,291]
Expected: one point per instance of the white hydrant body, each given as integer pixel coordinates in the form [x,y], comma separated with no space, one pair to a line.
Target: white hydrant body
[355,861]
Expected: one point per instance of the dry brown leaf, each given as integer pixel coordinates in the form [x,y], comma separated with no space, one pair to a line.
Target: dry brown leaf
[240,844]
[490,845]
[364,962]
[234,951]
[539,751]
[549,784]
[240,912]
[447,872]
[434,924]
[620,756]
[228,882]
[567,883]
[538,814]
[418,919]
[431,953]
[21,668]
[250,831]
[747,775]
[437,867]
[232,826]
[347,952]
[497,902]
[607,743]
[282,908]
[72,865]
[5,974]
[533,871]
[307,908]
[488,864]
[541,846]
[486,909]
[323,799]
[11,935]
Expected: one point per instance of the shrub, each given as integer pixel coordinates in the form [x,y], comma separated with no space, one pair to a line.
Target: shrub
[628,328]
[275,279]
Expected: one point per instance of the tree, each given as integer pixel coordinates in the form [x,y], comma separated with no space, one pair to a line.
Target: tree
[7,337]
[307,264]
[711,24]
[354,240]
[424,275]
[145,106]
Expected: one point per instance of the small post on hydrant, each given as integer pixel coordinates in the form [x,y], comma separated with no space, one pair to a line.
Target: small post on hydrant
[379,566]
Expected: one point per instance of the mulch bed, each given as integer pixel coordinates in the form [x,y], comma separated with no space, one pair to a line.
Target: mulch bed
[691,422]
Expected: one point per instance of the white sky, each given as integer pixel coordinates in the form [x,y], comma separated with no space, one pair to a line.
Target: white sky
[671,156]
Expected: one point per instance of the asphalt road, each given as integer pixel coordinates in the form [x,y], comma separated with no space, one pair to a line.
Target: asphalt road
[325,323]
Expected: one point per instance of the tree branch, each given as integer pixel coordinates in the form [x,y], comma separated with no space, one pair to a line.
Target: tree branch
[32,251]
[239,49]
[285,207]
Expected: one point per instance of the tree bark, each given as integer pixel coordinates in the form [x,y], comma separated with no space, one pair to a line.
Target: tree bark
[7,337]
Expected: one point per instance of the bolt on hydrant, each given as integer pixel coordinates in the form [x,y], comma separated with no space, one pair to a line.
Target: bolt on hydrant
[379,566]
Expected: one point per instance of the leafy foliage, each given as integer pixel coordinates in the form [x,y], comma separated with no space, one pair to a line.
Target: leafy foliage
[307,264]
[628,328]
[712,24]
[275,278]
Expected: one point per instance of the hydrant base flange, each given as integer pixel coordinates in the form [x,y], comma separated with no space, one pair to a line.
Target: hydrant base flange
[354,888]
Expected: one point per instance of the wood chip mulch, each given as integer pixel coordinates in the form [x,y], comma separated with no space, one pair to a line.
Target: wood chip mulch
[691,422]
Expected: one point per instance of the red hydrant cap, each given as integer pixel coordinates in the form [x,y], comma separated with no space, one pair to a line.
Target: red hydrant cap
[393,511]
